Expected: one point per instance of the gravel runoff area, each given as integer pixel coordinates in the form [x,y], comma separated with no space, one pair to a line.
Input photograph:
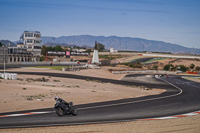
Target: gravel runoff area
[31,87]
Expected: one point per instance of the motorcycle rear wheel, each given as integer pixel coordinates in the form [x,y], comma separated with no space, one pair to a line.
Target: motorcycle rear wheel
[59,112]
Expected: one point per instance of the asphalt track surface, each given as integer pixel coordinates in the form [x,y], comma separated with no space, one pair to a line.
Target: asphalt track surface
[182,96]
[142,60]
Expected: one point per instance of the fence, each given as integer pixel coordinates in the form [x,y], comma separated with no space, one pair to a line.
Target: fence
[146,72]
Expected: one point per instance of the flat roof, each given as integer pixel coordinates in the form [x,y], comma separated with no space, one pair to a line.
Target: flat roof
[31,32]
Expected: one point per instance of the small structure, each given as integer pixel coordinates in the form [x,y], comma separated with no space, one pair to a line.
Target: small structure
[112,50]
[95,58]
[11,76]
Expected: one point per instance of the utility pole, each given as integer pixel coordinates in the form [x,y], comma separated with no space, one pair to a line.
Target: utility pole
[143,47]
[54,38]
[4,60]
[120,46]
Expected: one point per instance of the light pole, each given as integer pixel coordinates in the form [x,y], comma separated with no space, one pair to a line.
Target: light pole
[4,60]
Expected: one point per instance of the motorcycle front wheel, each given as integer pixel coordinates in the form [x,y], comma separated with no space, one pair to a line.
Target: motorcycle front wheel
[74,111]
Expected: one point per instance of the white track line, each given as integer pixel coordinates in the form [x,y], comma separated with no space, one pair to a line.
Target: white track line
[138,100]
[27,113]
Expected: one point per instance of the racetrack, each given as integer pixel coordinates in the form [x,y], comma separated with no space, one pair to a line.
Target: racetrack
[182,96]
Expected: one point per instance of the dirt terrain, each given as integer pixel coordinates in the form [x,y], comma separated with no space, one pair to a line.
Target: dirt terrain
[30,90]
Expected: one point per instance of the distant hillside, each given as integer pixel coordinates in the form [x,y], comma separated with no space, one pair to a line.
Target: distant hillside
[7,42]
[48,44]
[121,43]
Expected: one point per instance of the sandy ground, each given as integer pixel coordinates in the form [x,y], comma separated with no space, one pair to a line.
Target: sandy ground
[29,90]
[187,62]
[80,91]
[101,73]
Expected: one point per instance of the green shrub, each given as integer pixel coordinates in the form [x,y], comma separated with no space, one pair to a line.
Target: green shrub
[197,68]
[42,58]
[169,67]
[184,68]
[192,66]
[24,88]
[155,67]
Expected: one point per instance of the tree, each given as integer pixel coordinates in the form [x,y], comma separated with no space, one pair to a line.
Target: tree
[57,48]
[46,49]
[98,46]
[192,66]
[155,67]
[183,68]
[166,67]
[197,68]
[1,44]
[169,67]
[88,50]
[43,50]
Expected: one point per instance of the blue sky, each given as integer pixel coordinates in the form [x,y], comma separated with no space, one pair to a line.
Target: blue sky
[173,21]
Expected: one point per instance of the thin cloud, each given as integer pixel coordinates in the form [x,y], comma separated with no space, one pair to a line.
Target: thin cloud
[26,4]
[63,6]
[121,9]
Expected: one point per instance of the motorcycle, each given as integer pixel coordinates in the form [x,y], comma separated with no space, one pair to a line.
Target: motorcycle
[63,109]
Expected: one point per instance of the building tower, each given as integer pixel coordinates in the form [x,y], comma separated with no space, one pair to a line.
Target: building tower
[95,58]
[32,41]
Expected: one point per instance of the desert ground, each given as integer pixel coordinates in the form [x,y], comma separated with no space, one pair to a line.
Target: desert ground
[29,90]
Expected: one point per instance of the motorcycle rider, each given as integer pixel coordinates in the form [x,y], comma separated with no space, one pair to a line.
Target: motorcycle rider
[57,99]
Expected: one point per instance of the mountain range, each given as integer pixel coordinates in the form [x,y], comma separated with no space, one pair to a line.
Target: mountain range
[7,43]
[120,43]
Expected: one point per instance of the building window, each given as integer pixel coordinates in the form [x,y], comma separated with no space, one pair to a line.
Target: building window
[36,35]
[28,35]
[36,41]
[29,41]
[37,47]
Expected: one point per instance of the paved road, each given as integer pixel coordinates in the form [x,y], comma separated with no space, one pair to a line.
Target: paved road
[142,60]
[182,96]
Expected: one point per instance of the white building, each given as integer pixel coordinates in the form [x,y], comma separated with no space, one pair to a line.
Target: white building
[19,54]
[79,50]
[15,55]
[95,58]
[32,41]
[112,50]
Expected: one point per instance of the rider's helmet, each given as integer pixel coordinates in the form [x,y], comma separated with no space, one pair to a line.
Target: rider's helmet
[56,98]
